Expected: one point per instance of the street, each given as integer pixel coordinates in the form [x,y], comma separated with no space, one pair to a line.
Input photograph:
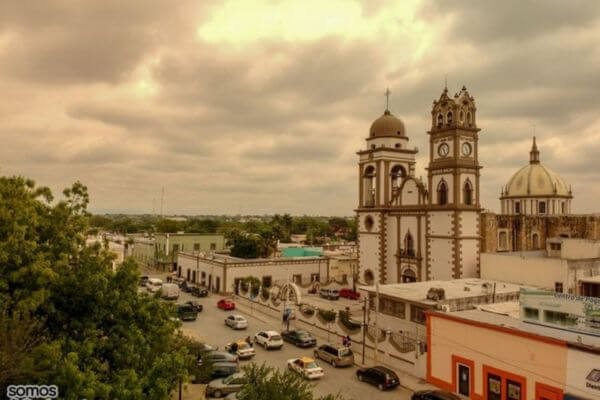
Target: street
[210,328]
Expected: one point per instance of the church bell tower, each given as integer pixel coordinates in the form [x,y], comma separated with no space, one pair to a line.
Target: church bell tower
[453,179]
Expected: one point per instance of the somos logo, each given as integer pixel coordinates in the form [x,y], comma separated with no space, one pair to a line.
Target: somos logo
[32,392]
[593,379]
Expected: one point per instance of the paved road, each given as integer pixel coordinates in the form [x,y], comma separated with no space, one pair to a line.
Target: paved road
[210,328]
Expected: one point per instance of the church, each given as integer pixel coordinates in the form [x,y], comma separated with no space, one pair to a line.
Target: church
[410,230]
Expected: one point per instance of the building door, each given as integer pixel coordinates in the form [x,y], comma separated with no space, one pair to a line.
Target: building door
[464,380]
[217,284]
[545,392]
[194,276]
[188,275]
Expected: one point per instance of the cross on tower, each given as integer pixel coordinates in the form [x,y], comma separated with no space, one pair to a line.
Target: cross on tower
[387,98]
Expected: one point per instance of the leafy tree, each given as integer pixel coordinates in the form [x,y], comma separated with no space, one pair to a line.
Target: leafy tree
[65,317]
[246,245]
[270,383]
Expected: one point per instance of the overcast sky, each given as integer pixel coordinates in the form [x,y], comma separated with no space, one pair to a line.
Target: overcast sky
[260,106]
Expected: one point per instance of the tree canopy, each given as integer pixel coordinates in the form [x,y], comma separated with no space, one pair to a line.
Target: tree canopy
[66,318]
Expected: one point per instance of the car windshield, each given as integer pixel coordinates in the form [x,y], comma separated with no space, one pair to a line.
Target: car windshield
[239,319]
[345,352]
[303,335]
[311,365]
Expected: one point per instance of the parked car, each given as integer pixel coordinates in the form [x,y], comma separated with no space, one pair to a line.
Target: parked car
[220,387]
[382,377]
[306,366]
[217,356]
[299,338]
[143,280]
[242,348]
[269,339]
[187,286]
[176,280]
[219,369]
[185,312]
[235,321]
[169,291]
[434,395]
[348,293]
[154,284]
[337,356]
[195,305]
[199,291]
[226,304]
[204,347]
[331,294]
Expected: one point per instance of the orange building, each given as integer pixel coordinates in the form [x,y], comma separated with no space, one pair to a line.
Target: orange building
[483,355]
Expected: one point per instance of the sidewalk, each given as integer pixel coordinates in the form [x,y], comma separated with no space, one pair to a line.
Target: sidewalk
[407,381]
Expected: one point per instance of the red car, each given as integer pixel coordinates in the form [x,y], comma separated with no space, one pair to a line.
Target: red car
[349,294]
[226,304]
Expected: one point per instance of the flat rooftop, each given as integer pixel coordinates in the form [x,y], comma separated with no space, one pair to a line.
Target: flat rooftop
[230,260]
[517,324]
[453,289]
[523,254]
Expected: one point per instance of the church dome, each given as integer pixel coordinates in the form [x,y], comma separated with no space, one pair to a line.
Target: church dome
[387,125]
[535,180]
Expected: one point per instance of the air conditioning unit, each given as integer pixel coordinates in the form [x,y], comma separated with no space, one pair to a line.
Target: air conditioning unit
[436,294]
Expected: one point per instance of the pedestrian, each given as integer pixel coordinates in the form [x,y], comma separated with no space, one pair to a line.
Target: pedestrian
[249,341]
[347,341]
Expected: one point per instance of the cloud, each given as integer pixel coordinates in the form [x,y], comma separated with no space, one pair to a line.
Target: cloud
[234,114]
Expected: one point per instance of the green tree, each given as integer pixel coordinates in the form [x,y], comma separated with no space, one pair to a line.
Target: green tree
[65,317]
[246,245]
[273,384]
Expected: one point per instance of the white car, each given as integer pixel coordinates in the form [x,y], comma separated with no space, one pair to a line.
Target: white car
[154,284]
[236,322]
[306,366]
[242,348]
[269,339]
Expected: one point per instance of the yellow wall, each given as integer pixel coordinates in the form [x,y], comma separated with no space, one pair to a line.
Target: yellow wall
[535,360]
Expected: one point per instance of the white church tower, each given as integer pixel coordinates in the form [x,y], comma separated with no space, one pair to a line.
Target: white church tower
[453,231]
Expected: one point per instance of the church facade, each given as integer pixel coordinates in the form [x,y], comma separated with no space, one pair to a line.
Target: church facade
[414,230]
[406,232]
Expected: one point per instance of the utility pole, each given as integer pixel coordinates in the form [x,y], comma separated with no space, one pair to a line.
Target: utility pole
[376,326]
[364,328]
[162,201]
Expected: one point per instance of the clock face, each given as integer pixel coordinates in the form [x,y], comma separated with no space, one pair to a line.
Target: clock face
[466,149]
[443,149]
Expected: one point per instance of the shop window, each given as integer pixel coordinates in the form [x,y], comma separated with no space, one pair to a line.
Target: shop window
[417,314]
[196,246]
[297,279]
[315,278]
[213,246]
[494,386]
[400,309]
[559,318]
[531,313]
[513,390]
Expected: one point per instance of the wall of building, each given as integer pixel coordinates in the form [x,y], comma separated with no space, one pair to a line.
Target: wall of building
[537,361]
[391,249]
[469,258]
[441,259]
[579,366]
[541,272]
[580,248]
[368,255]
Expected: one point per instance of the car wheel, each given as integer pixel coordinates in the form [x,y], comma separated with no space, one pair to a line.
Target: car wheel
[217,394]
[360,378]
[380,386]
[333,364]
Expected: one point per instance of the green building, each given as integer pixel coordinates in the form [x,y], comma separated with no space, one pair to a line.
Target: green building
[160,251]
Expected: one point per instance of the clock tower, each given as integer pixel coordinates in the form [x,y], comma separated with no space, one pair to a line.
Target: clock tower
[453,229]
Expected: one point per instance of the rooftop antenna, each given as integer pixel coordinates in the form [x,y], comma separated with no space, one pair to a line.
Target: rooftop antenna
[446,82]
[387,99]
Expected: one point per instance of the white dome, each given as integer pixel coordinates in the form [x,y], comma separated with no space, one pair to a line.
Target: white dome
[536,180]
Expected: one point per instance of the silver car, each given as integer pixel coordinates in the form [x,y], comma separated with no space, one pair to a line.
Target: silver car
[222,387]
[337,356]
[235,321]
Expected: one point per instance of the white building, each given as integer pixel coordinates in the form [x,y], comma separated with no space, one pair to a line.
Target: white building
[221,273]
[567,265]
[410,230]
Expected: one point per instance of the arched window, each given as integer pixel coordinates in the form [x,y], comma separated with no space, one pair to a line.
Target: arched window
[502,241]
[369,186]
[440,120]
[369,223]
[369,277]
[469,119]
[461,116]
[442,192]
[409,276]
[535,241]
[449,118]
[409,245]
[468,193]
[397,173]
